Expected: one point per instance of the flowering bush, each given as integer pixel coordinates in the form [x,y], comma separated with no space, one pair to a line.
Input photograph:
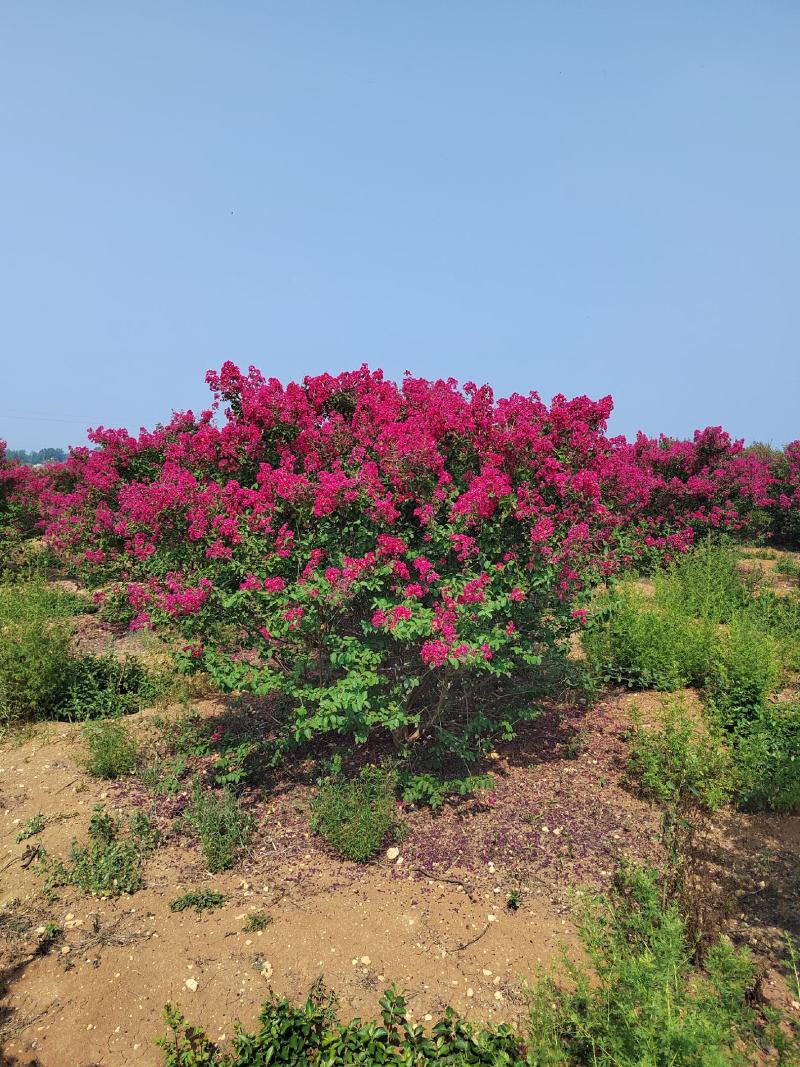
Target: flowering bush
[379,555]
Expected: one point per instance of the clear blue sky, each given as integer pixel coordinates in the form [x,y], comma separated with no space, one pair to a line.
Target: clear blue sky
[581,197]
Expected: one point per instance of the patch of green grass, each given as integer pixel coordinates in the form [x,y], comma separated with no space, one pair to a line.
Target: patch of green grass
[355,815]
[222,825]
[111,751]
[110,863]
[199,899]
[788,566]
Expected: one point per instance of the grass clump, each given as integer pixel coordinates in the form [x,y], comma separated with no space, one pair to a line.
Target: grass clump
[355,815]
[221,824]
[199,899]
[110,863]
[111,751]
[40,674]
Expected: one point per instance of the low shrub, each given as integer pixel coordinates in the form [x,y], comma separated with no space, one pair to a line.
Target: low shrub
[110,863]
[767,753]
[636,642]
[743,672]
[355,815]
[679,765]
[35,656]
[313,1034]
[221,824]
[643,1001]
[111,751]
[199,899]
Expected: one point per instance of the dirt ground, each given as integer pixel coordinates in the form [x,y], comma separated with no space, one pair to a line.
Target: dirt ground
[433,920]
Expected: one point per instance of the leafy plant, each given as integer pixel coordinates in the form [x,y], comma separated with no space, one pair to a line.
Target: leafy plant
[255,921]
[312,1034]
[112,860]
[644,1002]
[199,899]
[33,826]
[679,764]
[111,751]
[223,826]
[767,757]
[355,815]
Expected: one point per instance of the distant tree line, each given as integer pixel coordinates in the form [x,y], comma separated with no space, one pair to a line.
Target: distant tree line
[42,455]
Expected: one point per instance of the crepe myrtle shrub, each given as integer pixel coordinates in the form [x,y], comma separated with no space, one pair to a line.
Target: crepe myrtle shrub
[372,552]
[375,554]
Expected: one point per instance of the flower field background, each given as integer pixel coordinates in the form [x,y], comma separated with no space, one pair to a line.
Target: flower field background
[476,646]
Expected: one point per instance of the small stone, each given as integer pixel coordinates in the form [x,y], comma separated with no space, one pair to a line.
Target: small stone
[192,984]
[470,992]
[65,950]
[266,971]
[366,961]
[491,918]
[498,995]
[487,973]
[392,853]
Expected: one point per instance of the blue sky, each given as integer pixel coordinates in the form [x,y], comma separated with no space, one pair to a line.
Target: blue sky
[568,197]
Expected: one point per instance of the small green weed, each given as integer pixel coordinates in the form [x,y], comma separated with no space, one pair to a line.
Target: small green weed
[110,863]
[33,826]
[111,751]
[199,899]
[222,825]
[355,815]
[50,935]
[255,921]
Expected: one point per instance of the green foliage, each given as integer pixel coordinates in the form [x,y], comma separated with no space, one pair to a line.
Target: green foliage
[743,672]
[680,765]
[355,815]
[706,583]
[102,686]
[644,1002]
[767,753]
[312,1034]
[50,935]
[111,751]
[635,641]
[35,657]
[255,921]
[199,899]
[704,626]
[41,676]
[223,826]
[33,826]
[110,863]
